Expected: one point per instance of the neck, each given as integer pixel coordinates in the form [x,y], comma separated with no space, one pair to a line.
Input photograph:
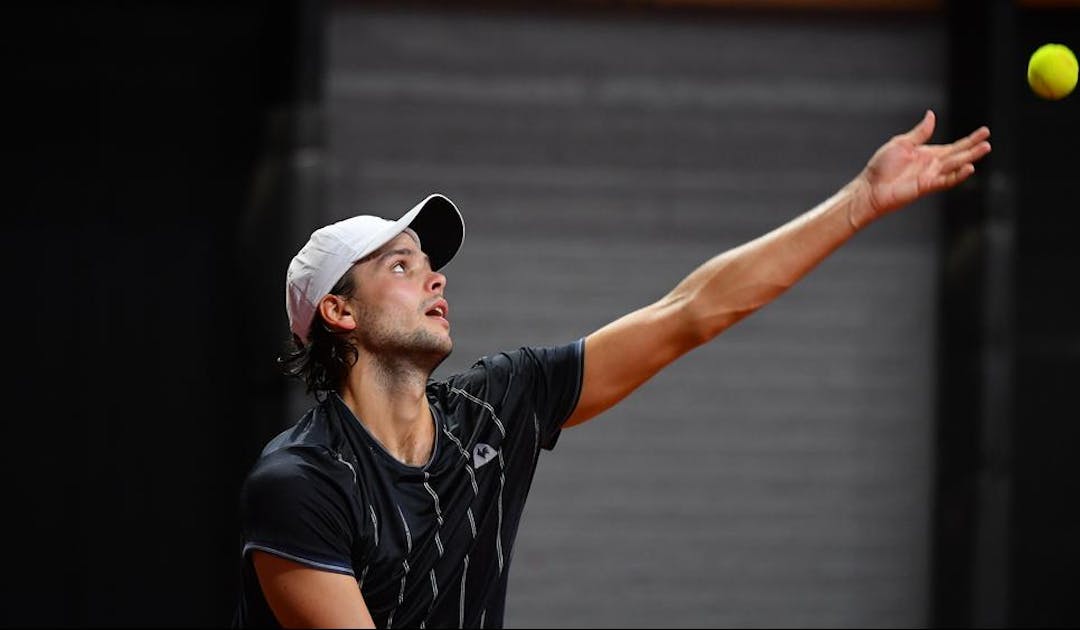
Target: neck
[389,398]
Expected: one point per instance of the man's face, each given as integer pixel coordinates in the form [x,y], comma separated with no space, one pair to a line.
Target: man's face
[401,312]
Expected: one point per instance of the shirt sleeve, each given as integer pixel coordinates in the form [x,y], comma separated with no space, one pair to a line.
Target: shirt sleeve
[294,506]
[541,383]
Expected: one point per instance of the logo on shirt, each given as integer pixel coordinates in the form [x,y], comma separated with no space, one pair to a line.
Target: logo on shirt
[482,454]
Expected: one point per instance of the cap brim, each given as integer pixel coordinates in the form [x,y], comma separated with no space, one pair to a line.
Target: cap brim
[438,223]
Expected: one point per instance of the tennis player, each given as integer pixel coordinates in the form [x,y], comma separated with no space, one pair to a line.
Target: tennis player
[395,500]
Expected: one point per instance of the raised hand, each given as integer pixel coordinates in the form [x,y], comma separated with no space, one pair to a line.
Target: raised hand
[906,168]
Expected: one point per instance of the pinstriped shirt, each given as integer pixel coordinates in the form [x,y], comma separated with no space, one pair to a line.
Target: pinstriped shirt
[430,545]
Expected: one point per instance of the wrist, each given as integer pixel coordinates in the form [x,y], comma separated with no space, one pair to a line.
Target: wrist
[860,208]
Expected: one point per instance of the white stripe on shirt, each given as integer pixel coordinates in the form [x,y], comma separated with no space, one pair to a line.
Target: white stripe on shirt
[483,404]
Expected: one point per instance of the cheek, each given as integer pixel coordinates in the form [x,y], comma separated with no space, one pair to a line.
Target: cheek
[402,296]
[391,299]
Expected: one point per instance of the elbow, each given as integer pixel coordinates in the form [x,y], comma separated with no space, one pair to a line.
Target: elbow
[708,326]
[694,324]
[704,320]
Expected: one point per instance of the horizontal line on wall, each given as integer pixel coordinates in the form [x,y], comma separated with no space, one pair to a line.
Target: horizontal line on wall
[578,177]
[879,96]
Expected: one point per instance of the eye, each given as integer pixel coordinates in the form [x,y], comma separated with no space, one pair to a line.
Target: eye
[398,267]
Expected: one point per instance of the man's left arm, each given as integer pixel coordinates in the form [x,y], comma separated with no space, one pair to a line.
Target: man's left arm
[622,355]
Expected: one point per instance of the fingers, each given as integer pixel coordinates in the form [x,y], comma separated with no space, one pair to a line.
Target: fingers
[959,158]
[959,175]
[952,178]
[972,139]
[921,132]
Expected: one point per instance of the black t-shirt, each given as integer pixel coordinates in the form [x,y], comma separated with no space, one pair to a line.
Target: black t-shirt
[429,546]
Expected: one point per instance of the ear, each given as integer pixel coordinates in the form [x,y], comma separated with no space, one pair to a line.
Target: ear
[338,313]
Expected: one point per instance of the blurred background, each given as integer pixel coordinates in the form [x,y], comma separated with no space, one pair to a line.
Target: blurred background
[889,444]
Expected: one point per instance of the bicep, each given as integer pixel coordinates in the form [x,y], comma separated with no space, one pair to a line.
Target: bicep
[302,597]
[624,354]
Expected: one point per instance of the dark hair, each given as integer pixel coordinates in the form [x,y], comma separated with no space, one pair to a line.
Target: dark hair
[324,362]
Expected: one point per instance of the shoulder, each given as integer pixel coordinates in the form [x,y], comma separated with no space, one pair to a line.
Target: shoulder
[314,430]
[302,455]
[509,374]
[290,490]
[520,360]
[295,469]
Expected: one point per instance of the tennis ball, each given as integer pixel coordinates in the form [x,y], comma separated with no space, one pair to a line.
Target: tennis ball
[1052,71]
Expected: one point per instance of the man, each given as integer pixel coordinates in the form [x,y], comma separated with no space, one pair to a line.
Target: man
[396,499]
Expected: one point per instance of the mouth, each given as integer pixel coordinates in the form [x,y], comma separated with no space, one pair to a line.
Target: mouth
[439,310]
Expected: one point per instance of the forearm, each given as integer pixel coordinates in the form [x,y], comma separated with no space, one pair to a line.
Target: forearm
[734,284]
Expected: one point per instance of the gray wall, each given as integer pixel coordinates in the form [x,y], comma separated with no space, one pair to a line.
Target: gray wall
[779,476]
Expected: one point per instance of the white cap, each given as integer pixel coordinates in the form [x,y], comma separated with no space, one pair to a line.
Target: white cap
[333,249]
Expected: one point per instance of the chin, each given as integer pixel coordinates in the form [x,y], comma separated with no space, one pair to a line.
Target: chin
[435,347]
[447,348]
[440,355]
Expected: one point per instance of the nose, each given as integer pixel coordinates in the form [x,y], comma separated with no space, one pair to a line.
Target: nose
[436,282]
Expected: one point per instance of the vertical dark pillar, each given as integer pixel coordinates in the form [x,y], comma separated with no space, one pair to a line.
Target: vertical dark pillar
[971,579]
[991,572]
[136,334]
[1046,510]
[1005,538]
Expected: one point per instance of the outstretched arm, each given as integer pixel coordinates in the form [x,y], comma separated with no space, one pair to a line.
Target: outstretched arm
[627,352]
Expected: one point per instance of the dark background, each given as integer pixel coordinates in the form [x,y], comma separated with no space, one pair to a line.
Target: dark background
[153,147]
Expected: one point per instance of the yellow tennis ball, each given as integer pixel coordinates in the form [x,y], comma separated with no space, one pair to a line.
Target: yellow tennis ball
[1052,71]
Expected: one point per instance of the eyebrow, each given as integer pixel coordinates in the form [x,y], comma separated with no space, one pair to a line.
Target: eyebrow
[404,251]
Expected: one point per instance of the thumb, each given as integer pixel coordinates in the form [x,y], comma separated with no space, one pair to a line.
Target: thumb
[921,132]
